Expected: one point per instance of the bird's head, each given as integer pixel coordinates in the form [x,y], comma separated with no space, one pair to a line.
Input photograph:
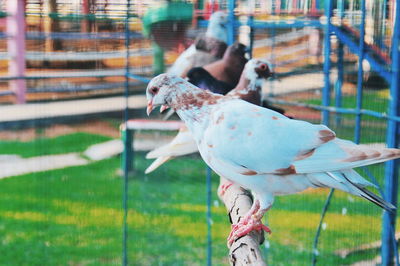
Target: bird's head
[257,69]
[163,90]
[236,49]
[219,18]
[217,26]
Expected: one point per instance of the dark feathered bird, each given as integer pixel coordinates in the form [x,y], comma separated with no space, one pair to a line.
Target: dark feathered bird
[223,75]
[200,77]
[230,67]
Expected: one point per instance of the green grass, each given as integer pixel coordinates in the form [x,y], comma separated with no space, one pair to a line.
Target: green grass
[76,142]
[73,216]
[372,129]
[371,100]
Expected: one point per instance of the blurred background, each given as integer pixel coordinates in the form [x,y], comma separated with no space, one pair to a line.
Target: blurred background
[72,72]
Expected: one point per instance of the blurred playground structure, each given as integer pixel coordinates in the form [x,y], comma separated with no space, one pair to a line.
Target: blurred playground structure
[75,49]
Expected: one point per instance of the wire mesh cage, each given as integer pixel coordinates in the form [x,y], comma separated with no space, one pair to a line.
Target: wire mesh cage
[79,71]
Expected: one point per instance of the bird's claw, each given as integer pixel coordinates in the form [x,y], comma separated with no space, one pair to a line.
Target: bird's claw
[244,227]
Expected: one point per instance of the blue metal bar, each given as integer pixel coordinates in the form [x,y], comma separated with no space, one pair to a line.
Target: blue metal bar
[137,77]
[338,110]
[339,82]
[284,24]
[281,24]
[340,67]
[209,198]
[379,67]
[360,73]
[127,142]
[232,25]
[391,168]
[327,61]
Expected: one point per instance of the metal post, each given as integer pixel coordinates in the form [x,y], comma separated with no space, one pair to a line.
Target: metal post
[16,47]
[360,73]
[232,23]
[340,67]
[127,155]
[209,197]
[392,140]
[327,62]
[127,138]
[339,82]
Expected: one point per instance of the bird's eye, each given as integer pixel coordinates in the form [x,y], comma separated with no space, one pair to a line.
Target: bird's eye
[263,67]
[154,90]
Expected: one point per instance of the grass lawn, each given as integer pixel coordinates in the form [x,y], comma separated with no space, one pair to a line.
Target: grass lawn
[372,129]
[73,216]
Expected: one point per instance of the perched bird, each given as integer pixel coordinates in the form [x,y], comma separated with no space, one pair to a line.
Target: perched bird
[264,151]
[201,78]
[206,49]
[248,88]
[222,75]
[229,68]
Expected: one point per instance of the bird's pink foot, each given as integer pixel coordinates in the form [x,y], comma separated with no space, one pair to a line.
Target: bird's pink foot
[244,227]
[224,187]
[252,221]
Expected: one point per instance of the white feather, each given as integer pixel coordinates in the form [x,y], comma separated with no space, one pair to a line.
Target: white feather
[191,56]
[182,144]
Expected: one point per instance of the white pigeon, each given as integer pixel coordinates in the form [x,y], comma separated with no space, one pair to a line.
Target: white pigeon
[264,151]
[248,88]
[206,49]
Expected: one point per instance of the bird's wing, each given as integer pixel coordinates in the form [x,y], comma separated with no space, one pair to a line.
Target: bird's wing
[342,154]
[182,144]
[183,63]
[256,140]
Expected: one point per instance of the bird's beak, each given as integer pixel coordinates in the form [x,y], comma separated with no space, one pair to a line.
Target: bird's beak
[149,107]
[163,108]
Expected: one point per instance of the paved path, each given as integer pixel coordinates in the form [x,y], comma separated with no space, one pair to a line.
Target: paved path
[32,111]
[14,165]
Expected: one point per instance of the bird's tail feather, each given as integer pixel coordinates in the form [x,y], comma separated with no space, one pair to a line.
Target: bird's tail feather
[157,163]
[363,192]
[349,181]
